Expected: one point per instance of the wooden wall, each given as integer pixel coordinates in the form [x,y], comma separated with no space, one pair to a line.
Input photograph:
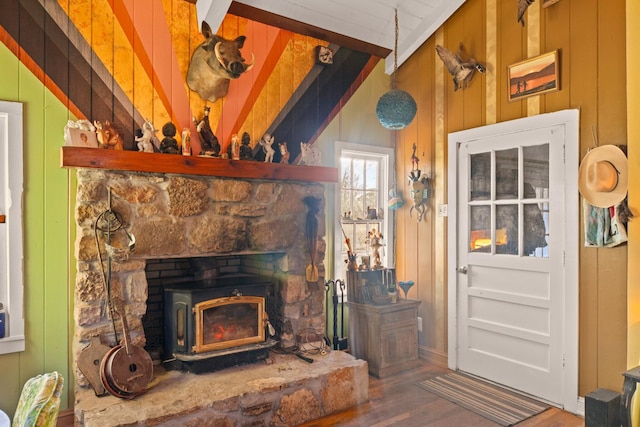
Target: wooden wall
[127,60]
[590,35]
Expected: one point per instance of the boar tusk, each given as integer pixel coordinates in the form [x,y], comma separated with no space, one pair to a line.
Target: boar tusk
[218,55]
[250,64]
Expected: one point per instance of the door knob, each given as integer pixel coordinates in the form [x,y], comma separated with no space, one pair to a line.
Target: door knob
[462,270]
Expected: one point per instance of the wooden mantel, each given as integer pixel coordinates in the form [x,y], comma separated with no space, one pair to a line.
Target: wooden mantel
[135,161]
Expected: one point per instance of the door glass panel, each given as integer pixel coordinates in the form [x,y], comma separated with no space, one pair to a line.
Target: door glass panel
[480,230]
[536,220]
[507,174]
[536,186]
[480,180]
[536,171]
[507,229]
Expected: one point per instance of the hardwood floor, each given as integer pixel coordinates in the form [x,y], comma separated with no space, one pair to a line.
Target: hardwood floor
[396,400]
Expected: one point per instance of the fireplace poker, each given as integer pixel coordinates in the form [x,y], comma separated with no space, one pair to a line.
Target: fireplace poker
[334,299]
[327,289]
[342,341]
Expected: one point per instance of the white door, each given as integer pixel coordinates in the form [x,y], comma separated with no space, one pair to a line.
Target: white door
[510,258]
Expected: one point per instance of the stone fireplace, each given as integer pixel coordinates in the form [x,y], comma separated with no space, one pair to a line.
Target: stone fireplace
[252,226]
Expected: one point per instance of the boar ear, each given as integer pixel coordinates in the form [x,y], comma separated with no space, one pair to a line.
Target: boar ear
[206,30]
[239,41]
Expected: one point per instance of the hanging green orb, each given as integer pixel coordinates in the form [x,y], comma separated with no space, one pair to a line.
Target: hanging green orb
[396,109]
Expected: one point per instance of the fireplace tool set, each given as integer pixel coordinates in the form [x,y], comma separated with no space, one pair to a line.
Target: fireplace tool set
[340,342]
[125,369]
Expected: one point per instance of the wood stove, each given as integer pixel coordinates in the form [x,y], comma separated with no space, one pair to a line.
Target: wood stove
[216,323]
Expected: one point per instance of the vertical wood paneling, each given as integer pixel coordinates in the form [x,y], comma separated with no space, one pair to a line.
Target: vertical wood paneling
[612,263]
[10,363]
[511,43]
[591,42]
[633,131]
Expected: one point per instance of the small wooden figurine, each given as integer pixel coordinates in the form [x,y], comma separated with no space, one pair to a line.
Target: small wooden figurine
[284,152]
[108,136]
[169,144]
[245,150]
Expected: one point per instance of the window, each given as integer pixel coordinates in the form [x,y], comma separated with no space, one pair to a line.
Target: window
[11,226]
[362,205]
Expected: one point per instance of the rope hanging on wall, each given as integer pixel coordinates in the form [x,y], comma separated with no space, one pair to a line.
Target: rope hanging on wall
[396,108]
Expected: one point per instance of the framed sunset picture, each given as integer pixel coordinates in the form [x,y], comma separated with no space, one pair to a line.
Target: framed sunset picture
[533,76]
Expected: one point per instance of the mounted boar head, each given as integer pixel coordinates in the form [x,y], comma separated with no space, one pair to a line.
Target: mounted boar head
[214,63]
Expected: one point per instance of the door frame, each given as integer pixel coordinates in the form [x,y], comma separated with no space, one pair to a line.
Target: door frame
[570,120]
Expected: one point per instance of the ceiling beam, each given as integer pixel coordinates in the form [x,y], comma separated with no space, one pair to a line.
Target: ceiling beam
[298,27]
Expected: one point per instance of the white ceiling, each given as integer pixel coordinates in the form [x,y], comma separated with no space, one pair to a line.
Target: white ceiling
[371,21]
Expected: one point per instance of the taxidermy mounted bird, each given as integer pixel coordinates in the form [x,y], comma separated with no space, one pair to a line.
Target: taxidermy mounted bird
[523,5]
[462,71]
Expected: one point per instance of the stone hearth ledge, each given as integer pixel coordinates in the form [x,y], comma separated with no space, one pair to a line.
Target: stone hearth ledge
[286,392]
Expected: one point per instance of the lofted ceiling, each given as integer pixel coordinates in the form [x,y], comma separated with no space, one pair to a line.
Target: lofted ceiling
[365,25]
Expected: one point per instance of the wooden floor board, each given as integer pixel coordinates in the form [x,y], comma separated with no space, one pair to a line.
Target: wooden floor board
[398,401]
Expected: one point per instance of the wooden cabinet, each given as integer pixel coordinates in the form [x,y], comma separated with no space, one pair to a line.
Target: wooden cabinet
[386,336]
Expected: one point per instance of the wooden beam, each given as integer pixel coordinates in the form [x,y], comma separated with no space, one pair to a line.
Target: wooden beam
[135,161]
[298,27]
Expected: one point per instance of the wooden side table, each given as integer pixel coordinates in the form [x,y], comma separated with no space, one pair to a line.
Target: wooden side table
[386,336]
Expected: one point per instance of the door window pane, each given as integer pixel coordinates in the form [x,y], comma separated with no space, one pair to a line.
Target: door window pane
[536,171]
[480,230]
[507,229]
[536,219]
[507,174]
[480,180]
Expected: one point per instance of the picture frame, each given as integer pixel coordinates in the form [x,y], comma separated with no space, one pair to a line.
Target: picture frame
[533,76]
[82,138]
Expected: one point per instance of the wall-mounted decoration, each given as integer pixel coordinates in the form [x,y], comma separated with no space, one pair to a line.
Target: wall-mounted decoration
[324,55]
[523,5]
[461,70]
[533,76]
[214,63]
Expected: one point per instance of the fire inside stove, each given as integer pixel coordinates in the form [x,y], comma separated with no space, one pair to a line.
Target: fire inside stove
[228,322]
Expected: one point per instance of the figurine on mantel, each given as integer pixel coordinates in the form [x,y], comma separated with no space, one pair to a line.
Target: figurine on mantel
[310,155]
[245,150]
[108,135]
[148,142]
[267,142]
[209,144]
[169,144]
[284,152]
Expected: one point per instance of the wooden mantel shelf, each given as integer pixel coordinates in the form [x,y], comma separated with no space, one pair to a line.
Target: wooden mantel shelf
[135,161]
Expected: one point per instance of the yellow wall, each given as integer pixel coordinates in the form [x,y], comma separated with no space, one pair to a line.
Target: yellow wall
[590,35]
[633,135]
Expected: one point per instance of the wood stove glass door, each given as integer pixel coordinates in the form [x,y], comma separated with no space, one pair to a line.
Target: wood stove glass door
[224,323]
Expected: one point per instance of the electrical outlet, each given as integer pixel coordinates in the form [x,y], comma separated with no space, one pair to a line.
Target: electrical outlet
[443,210]
[419,324]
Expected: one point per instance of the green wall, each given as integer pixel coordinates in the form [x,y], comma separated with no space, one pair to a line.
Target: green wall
[47,233]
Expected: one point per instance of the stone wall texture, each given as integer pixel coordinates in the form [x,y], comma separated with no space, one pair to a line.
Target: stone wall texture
[182,216]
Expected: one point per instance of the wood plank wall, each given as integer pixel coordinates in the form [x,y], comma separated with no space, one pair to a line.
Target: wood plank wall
[591,37]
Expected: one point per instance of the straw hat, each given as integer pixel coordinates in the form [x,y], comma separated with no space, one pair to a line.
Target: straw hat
[602,177]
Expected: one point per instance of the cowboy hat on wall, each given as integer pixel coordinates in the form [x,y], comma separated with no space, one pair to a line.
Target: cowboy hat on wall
[603,176]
